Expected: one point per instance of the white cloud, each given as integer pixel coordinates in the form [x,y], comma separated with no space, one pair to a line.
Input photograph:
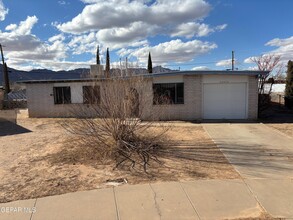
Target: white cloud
[252,68]
[128,24]
[59,37]
[106,14]
[90,1]
[103,15]
[65,65]
[19,37]
[192,29]
[3,11]
[125,52]
[177,11]
[116,24]
[284,48]
[24,27]
[123,37]
[249,60]
[27,64]
[22,48]
[11,27]
[225,63]
[55,51]
[200,68]
[86,43]
[174,51]
[277,42]
[100,1]
[221,27]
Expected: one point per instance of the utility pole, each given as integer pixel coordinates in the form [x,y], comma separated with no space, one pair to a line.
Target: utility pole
[121,72]
[98,55]
[5,73]
[233,60]
[107,70]
[126,66]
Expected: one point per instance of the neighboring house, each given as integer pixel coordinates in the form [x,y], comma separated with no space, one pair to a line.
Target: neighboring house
[19,95]
[194,95]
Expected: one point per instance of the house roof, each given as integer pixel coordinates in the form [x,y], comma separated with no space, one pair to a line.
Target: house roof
[17,95]
[59,80]
[213,72]
[173,73]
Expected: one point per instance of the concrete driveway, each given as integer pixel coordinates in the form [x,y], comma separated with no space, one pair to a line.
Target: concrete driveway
[264,158]
[255,150]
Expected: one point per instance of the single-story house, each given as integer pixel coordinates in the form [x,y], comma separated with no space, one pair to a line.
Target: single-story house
[194,95]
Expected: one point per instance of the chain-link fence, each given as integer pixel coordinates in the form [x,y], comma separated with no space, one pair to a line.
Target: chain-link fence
[14,99]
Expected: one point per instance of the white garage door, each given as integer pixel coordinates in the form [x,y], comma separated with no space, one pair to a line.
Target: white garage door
[224,100]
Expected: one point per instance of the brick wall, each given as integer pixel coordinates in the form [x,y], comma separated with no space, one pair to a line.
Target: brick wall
[252,97]
[190,110]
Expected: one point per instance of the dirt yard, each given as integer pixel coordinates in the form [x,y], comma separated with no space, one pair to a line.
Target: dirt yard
[38,158]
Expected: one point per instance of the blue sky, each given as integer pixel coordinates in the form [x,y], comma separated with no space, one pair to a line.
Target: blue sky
[185,34]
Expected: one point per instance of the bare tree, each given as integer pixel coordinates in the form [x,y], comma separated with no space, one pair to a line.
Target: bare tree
[270,63]
[111,121]
[267,62]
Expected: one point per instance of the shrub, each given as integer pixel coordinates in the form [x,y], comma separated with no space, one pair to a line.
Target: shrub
[113,124]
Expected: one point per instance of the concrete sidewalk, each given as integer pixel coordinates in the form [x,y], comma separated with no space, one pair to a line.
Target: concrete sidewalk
[203,199]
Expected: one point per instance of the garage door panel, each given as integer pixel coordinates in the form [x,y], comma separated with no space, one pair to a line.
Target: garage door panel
[224,100]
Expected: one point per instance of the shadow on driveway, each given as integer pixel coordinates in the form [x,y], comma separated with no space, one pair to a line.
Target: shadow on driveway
[259,161]
[10,128]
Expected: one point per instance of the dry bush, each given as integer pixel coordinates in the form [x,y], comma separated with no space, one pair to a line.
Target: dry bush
[111,122]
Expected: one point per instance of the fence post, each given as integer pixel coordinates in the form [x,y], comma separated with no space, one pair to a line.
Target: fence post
[1,98]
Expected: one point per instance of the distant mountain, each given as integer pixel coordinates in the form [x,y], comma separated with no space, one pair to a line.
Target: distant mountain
[42,74]
[160,69]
